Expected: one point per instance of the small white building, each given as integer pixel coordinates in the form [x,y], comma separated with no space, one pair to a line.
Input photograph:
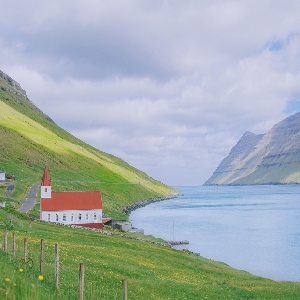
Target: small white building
[77,208]
[2,175]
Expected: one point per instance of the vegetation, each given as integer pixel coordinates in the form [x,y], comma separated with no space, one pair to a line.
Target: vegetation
[153,270]
[28,138]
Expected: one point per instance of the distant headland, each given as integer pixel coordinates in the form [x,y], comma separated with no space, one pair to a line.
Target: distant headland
[271,158]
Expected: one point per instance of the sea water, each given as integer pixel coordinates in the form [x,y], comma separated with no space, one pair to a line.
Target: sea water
[251,228]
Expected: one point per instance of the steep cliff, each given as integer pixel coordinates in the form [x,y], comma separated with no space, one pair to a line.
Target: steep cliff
[271,158]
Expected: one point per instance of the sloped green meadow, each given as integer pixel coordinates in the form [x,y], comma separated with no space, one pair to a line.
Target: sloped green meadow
[152,271]
[28,139]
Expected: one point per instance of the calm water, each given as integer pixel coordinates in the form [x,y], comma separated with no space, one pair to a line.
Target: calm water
[252,228]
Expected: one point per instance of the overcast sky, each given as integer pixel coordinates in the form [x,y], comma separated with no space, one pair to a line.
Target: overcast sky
[168,86]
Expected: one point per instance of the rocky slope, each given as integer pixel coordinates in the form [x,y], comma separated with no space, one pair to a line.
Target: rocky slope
[29,138]
[13,86]
[271,158]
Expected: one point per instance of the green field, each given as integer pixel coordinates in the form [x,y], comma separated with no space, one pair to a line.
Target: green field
[152,271]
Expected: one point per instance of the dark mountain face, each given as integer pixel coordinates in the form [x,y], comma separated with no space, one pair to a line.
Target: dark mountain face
[271,158]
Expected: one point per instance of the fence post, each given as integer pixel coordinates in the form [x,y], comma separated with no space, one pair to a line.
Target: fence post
[42,257]
[14,244]
[124,282]
[25,250]
[56,267]
[5,240]
[81,281]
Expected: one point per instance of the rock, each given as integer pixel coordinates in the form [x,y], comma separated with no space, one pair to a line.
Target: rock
[16,87]
[128,209]
[271,158]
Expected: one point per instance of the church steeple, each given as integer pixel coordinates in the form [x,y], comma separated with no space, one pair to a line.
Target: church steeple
[46,185]
[46,178]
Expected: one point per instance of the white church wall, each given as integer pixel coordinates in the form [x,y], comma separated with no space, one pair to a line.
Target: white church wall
[73,216]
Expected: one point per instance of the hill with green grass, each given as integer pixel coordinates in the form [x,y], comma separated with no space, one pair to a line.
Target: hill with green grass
[153,269]
[28,138]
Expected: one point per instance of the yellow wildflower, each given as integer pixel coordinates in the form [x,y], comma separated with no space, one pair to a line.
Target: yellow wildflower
[40,277]
[7,279]
[21,270]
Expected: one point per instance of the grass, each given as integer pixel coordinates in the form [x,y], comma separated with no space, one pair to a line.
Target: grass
[15,284]
[2,189]
[152,271]
[28,138]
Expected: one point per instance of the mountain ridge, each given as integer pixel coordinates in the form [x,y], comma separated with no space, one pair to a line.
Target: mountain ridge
[270,158]
[15,85]
[28,137]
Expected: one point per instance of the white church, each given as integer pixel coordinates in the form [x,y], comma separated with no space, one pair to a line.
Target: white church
[77,208]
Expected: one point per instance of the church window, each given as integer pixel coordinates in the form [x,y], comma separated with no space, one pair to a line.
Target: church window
[95,216]
[56,217]
[86,217]
[79,217]
[72,218]
[64,217]
[49,217]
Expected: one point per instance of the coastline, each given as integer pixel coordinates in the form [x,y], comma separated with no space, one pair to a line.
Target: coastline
[128,209]
[214,224]
[251,184]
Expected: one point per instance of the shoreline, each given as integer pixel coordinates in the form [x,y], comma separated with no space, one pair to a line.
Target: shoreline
[251,184]
[128,209]
[280,273]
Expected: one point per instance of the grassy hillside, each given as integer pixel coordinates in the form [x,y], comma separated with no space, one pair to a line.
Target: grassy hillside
[28,138]
[152,271]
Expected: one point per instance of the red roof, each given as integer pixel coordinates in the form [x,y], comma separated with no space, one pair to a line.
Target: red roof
[46,178]
[72,201]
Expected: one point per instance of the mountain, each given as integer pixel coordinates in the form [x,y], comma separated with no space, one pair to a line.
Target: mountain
[29,138]
[271,158]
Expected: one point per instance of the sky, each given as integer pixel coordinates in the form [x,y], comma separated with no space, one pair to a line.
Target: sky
[168,86]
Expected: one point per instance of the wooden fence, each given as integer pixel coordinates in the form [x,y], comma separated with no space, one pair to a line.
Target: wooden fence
[56,263]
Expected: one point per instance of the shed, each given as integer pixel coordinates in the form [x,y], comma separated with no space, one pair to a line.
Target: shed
[2,175]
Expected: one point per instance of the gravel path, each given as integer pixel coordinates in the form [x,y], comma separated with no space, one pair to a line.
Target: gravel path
[30,200]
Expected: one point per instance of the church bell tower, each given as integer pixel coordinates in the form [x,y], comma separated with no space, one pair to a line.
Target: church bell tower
[46,185]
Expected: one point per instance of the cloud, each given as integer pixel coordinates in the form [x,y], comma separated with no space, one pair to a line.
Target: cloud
[165,85]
